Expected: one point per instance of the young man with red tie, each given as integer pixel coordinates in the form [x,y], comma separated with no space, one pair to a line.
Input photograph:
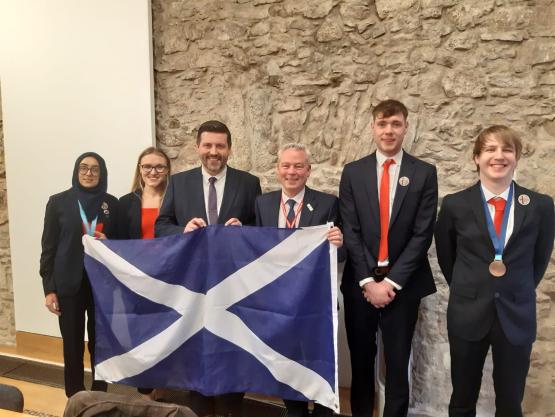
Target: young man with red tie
[388,203]
[494,241]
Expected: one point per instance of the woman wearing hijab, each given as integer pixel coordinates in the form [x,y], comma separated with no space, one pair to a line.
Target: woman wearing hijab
[139,209]
[86,208]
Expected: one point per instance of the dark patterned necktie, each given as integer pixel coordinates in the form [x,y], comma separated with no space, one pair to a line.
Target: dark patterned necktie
[291,214]
[212,202]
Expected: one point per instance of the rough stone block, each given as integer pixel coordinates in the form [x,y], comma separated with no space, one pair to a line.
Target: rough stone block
[386,8]
[459,84]
[538,51]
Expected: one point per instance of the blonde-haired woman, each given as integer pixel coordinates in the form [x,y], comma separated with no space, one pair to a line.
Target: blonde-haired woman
[139,209]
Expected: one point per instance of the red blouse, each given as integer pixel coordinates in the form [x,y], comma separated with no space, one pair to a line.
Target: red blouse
[148,218]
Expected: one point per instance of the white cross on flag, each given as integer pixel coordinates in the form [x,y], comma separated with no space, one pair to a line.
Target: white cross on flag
[218,310]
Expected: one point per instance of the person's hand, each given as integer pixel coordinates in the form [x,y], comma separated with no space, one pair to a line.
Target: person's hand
[99,235]
[233,222]
[51,303]
[335,237]
[379,294]
[194,224]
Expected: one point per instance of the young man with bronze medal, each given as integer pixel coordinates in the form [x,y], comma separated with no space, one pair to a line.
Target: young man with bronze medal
[494,241]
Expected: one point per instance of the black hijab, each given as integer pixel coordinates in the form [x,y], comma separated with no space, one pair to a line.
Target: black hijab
[91,198]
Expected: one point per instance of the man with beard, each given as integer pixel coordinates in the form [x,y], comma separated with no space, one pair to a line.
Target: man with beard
[214,193]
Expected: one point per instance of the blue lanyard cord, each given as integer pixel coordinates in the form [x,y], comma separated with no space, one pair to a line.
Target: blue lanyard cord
[89,229]
[498,241]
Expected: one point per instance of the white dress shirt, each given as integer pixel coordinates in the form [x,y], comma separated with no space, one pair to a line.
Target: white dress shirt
[219,185]
[394,170]
[505,195]
[282,219]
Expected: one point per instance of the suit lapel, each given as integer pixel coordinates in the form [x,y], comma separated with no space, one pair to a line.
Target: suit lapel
[230,193]
[407,170]
[274,209]
[73,204]
[477,204]
[370,180]
[520,212]
[309,205]
[197,190]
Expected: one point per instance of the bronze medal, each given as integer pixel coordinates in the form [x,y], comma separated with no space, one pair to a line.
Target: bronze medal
[497,269]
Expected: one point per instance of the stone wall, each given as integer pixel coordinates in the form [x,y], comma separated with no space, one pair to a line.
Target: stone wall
[7,316]
[287,70]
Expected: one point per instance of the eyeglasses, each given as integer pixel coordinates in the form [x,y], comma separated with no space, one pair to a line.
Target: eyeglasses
[94,170]
[160,169]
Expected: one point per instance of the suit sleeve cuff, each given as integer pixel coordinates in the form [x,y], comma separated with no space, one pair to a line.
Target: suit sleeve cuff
[395,285]
[364,281]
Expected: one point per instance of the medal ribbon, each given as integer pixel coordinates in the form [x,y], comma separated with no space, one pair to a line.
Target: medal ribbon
[498,241]
[89,227]
[297,213]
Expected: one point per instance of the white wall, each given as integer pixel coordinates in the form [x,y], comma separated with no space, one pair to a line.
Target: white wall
[75,76]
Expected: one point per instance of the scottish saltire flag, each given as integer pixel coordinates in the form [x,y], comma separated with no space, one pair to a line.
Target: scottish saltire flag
[221,309]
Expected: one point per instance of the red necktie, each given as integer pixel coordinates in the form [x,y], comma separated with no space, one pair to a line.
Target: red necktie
[384,210]
[499,204]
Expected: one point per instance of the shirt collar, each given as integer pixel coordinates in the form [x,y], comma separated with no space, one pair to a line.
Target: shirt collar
[298,198]
[206,176]
[488,195]
[381,158]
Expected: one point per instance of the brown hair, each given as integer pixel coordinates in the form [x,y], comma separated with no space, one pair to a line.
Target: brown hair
[216,127]
[388,108]
[504,134]
[138,183]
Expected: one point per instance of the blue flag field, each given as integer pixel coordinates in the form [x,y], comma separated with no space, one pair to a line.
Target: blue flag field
[218,310]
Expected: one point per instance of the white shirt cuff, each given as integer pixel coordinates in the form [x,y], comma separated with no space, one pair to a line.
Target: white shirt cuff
[370,279]
[365,281]
[395,285]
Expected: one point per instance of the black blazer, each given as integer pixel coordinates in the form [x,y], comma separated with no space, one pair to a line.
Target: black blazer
[324,209]
[465,250]
[61,260]
[130,216]
[184,200]
[411,225]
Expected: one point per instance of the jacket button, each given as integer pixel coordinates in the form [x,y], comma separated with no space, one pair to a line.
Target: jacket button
[496,295]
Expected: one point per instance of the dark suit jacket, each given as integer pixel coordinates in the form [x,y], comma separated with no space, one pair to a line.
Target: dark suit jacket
[130,216]
[324,209]
[465,250]
[411,225]
[184,200]
[61,260]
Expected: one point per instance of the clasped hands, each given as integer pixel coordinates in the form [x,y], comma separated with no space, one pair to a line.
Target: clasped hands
[379,294]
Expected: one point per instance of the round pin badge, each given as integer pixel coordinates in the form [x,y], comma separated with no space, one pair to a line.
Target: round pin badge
[523,199]
[104,206]
[404,181]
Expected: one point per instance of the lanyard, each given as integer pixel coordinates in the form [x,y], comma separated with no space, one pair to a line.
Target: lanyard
[89,227]
[498,241]
[297,213]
